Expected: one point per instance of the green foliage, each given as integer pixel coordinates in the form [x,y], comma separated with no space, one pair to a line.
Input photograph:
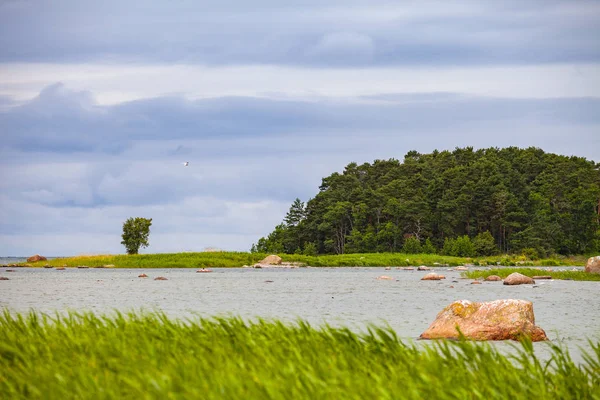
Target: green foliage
[428,247]
[484,244]
[522,198]
[152,356]
[412,246]
[463,247]
[135,234]
[531,253]
[310,249]
[296,213]
[459,247]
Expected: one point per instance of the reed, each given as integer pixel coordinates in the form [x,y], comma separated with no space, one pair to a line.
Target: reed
[151,356]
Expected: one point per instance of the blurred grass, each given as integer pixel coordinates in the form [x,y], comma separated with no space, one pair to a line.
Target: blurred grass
[238,259]
[150,356]
[531,272]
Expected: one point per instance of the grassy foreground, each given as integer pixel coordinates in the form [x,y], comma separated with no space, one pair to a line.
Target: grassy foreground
[238,259]
[531,272]
[154,357]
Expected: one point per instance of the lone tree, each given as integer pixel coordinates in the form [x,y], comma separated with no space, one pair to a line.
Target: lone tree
[135,234]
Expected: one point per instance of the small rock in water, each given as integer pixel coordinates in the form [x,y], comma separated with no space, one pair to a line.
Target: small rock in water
[3,278]
[542,277]
[267,281]
[432,276]
[142,276]
[204,270]
[160,278]
[493,278]
[385,278]
[475,283]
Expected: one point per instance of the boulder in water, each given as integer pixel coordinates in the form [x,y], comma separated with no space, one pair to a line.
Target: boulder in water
[593,265]
[518,279]
[432,276]
[494,320]
[36,258]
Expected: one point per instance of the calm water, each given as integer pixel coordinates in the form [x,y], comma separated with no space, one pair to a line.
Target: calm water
[567,310]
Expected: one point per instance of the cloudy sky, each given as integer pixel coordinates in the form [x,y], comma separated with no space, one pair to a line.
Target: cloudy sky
[102,101]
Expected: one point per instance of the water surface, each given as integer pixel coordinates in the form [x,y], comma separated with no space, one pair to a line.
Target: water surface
[567,310]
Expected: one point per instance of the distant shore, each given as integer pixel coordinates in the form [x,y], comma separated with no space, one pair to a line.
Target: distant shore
[240,259]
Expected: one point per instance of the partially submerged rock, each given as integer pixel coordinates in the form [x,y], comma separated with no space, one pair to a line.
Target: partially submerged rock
[3,278]
[432,276]
[493,278]
[461,268]
[518,279]
[160,278]
[593,265]
[204,270]
[542,277]
[423,268]
[36,258]
[142,276]
[494,320]
[385,278]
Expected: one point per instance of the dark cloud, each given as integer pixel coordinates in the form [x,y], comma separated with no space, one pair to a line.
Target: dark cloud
[356,33]
[64,121]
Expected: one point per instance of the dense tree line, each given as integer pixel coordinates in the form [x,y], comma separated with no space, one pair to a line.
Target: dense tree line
[463,202]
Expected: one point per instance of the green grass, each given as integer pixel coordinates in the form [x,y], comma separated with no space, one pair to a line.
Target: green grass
[504,272]
[150,356]
[238,259]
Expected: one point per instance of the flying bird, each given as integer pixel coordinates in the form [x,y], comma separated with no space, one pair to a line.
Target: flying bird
[186,163]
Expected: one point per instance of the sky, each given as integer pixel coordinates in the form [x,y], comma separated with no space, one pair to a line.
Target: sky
[102,102]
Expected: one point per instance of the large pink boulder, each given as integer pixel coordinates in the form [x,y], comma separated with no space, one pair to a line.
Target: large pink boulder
[36,258]
[593,265]
[493,320]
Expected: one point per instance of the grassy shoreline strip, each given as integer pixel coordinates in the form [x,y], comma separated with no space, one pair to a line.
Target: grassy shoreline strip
[238,259]
[531,272]
[82,355]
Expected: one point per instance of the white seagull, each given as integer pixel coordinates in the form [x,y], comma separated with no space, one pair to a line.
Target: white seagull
[186,163]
